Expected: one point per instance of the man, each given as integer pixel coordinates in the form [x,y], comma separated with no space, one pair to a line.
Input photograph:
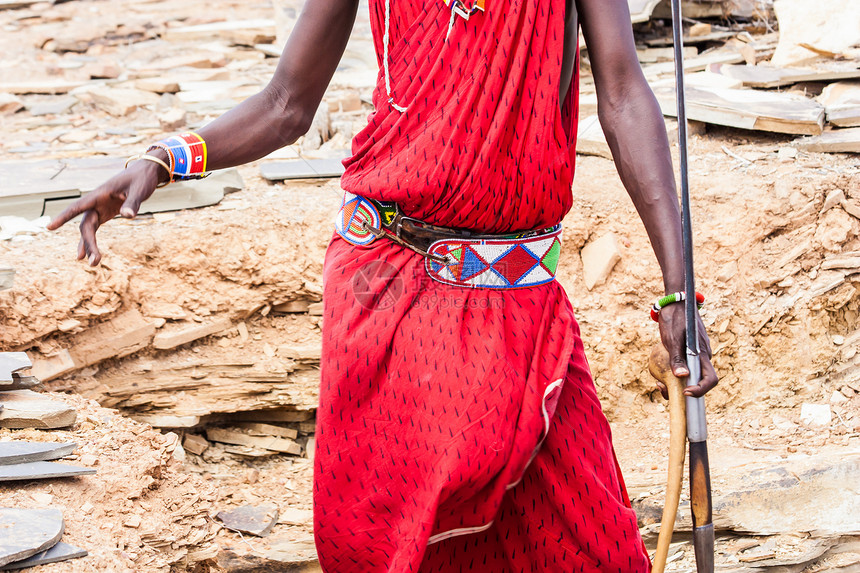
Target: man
[463,433]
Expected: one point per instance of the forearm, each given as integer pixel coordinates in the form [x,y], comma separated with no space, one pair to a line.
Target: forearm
[636,134]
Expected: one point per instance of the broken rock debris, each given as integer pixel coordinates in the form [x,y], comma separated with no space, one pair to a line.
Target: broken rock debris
[811,46]
[271,443]
[257,521]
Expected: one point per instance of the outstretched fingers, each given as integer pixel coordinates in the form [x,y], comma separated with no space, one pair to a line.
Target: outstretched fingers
[96,207]
[88,248]
[81,205]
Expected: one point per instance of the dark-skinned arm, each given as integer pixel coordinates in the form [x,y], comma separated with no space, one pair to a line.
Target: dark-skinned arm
[277,116]
[636,133]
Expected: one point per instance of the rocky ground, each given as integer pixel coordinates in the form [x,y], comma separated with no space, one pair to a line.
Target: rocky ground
[778,257]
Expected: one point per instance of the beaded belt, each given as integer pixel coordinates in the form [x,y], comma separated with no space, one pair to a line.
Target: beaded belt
[455,256]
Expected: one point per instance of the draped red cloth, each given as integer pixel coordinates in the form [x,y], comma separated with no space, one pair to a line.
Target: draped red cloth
[459,429]
[484,143]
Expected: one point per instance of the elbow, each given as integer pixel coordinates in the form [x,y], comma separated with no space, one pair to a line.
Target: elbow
[624,101]
[291,117]
[620,86]
[302,116]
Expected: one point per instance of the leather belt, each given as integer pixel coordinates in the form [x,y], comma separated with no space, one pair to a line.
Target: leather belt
[455,256]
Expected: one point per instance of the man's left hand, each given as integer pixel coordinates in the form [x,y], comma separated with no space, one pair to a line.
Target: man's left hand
[673,335]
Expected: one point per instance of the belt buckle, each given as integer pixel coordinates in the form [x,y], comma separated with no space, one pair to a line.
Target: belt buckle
[397,239]
[399,226]
[443,260]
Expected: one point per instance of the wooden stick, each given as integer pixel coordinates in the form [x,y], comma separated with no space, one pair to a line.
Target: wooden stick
[660,369]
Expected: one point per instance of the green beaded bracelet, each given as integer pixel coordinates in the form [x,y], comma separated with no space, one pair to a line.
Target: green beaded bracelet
[671,299]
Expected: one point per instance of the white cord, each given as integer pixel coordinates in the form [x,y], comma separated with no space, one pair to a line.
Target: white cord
[385,39]
[451,23]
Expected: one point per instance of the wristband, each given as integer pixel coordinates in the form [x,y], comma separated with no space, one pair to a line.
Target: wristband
[671,299]
[189,155]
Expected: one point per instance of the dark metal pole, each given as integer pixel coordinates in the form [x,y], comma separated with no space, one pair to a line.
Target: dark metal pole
[697,429]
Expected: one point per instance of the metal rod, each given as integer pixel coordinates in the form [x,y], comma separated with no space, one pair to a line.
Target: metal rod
[696,424]
[687,226]
[697,430]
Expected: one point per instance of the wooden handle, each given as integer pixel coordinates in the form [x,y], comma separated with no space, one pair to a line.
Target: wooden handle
[660,368]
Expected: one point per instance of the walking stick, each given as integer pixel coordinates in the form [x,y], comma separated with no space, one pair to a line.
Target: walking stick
[697,430]
[661,369]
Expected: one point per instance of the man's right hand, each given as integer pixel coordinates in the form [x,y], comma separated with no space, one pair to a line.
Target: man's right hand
[121,194]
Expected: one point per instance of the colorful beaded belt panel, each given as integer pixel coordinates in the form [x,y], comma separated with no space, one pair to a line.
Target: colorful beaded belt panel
[354,219]
[496,263]
[502,262]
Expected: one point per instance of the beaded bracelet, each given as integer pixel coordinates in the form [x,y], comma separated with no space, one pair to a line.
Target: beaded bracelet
[186,157]
[188,153]
[671,299]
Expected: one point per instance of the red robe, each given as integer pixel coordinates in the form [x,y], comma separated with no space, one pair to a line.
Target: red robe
[459,429]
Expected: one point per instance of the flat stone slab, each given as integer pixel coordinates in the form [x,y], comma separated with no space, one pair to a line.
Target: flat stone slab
[41,470]
[302,169]
[834,141]
[27,532]
[56,106]
[814,494]
[800,494]
[28,409]
[25,452]
[299,552]
[12,362]
[232,562]
[59,552]
[20,383]
[256,520]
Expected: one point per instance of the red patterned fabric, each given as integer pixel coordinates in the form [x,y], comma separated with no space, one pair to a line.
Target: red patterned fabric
[459,429]
[484,142]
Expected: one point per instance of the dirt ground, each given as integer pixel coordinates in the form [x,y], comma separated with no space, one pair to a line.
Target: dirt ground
[769,223]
